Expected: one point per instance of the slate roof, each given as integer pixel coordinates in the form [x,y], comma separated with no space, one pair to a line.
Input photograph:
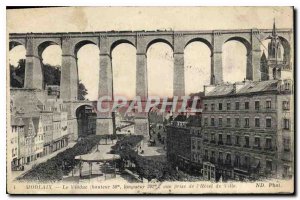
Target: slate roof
[261,86]
[36,121]
[220,90]
[27,122]
[247,87]
[16,121]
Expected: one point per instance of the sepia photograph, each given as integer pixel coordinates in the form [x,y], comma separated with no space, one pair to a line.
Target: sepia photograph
[150,100]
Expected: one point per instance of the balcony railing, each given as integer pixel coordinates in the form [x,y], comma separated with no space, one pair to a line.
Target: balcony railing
[213,141]
[257,147]
[228,143]
[244,167]
[227,163]
[269,148]
[220,161]
[237,165]
[220,143]
[247,146]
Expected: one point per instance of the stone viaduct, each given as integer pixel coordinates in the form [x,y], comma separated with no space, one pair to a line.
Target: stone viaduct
[70,43]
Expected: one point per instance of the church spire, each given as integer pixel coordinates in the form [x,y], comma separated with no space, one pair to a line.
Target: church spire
[274,29]
[275,57]
[274,46]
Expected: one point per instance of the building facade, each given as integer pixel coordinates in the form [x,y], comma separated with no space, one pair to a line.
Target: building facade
[86,120]
[39,138]
[16,140]
[39,126]
[178,144]
[59,134]
[246,132]
[30,131]
[47,120]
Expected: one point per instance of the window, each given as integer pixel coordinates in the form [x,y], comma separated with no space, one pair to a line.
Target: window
[246,122]
[286,124]
[237,122]
[212,121]
[212,159]
[205,121]
[205,107]
[286,170]
[206,154]
[237,105]
[268,122]
[269,165]
[198,145]
[199,133]
[287,86]
[193,144]
[256,105]
[228,121]
[237,140]
[257,142]
[220,121]
[228,159]
[246,105]
[268,104]
[212,107]
[205,136]
[220,159]
[247,144]
[257,122]
[220,106]
[268,143]
[213,139]
[228,140]
[237,161]
[228,106]
[247,161]
[286,105]
[286,144]
[194,157]
[220,139]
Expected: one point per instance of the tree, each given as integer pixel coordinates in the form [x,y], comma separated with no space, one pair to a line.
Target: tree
[165,122]
[82,91]
[51,75]
[17,74]
[170,118]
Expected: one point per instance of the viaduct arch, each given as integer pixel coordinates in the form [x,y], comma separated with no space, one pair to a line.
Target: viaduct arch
[71,42]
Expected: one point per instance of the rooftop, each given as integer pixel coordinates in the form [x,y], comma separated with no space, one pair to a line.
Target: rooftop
[16,121]
[27,123]
[244,87]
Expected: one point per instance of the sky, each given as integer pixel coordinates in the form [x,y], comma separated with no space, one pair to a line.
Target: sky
[159,55]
